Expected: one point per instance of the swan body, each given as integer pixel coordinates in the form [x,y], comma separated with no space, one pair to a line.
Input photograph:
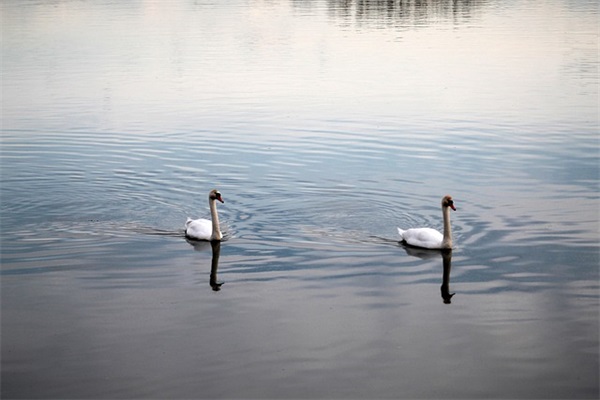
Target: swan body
[204,229]
[199,229]
[429,238]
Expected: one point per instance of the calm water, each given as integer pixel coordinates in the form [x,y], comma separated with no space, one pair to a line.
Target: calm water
[325,125]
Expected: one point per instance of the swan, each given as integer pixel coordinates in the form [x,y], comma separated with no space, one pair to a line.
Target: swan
[430,238]
[204,229]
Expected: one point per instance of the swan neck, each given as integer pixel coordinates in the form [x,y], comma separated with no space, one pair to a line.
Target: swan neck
[214,216]
[447,240]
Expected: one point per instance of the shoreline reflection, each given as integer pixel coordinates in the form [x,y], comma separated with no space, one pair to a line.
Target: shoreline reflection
[402,13]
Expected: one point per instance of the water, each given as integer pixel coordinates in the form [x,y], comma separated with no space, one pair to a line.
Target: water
[325,125]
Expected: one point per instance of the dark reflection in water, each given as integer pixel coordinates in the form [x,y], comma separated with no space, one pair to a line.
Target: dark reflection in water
[446,256]
[445,288]
[214,264]
[400,13]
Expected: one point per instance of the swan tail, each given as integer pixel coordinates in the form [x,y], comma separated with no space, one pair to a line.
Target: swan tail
[401,233]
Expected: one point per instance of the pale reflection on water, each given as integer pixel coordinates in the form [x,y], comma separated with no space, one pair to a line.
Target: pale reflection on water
[325,124]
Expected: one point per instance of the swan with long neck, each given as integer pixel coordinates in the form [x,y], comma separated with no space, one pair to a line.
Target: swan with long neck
[429,238]
[204,229]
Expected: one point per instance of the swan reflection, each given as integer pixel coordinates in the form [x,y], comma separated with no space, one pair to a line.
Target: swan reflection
[445,289]
[425,254]
[214,264]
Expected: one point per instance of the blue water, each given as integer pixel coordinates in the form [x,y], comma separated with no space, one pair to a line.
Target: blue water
[325,125]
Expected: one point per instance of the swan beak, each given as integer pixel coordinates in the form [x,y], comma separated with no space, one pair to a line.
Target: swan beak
[452,206]
[220,198]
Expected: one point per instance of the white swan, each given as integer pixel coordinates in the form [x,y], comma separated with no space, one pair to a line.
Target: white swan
[204,229]
[430,238]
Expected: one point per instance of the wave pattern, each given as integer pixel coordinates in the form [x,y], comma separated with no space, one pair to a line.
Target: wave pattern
[292,193]
[326,124]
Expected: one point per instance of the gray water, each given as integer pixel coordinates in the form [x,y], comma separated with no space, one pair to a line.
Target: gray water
[325,125]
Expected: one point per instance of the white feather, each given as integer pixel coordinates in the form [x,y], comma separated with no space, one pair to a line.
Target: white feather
[204,229]
[199,229]
[429,238]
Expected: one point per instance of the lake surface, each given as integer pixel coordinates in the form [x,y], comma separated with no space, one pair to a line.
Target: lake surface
[325,125]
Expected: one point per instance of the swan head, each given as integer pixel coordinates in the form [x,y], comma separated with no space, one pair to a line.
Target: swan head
[448,202]
[215,195]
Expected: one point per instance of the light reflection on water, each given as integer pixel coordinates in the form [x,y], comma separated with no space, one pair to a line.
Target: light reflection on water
[325,125]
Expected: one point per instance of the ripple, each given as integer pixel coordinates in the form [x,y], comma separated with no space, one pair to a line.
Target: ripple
[310,188]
